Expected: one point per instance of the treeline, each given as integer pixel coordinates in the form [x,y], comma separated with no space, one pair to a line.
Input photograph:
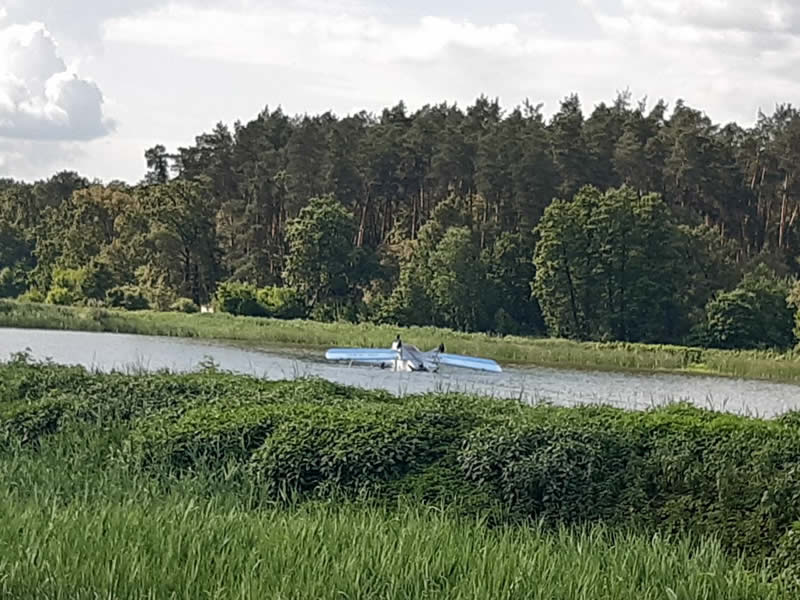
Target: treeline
[626,223]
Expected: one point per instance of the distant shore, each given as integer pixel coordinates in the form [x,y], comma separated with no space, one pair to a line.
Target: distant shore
[508,350]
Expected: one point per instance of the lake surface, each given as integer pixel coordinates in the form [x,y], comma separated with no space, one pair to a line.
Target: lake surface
[107,351]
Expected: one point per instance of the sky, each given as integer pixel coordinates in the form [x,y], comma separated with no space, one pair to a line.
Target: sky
[89,85]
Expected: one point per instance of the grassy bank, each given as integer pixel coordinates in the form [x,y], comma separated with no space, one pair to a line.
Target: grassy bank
[507,350]
[219,486]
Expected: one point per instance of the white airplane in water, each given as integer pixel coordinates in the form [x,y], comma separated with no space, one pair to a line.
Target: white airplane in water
[407,358]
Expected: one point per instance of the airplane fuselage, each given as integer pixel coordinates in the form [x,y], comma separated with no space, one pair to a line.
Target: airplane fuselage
[410,360]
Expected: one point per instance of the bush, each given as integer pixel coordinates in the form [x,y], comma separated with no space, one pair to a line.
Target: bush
[504,323]
[677,470]
[333,311]
[12,282]
[558,464]
[239,299]
[281,302]
[26,422]
[185,305]
[61,296]
[216,433]
[128,297]
[86,283]
[674,469]
[351,449]
[786,560]
[754,315]
[244,299]
[33,295]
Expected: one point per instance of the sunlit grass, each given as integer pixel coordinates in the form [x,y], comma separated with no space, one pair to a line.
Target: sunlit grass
[179,548]
[79,521]
[507,350]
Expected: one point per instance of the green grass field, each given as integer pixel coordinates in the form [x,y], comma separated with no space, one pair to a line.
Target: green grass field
[212,485]
[507,350]
[173,547]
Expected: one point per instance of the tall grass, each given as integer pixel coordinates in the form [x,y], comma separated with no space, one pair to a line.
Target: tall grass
[79,520]
[507,349]
[178,548]
[72,530]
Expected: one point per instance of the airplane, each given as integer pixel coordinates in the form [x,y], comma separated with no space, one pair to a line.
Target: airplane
[407,358]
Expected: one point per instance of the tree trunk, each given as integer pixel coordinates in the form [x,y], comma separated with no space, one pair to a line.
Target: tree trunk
[414,212]
[784,207]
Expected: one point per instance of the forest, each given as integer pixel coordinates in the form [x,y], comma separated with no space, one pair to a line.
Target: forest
[627,223]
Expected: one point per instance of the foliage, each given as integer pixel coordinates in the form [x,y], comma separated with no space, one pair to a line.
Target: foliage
[238,298]
[12,282]
[510,271]
[61,296]
[756,314]
[32,295]
[128,297]
[281,302]
[457,286]
[321,251]
[607,267]
[349,212]
[675,469]
[245,299]
[786,560]
[185,305]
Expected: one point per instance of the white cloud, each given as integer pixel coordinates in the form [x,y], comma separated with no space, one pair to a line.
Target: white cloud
[176,67]
[773,16]
[35,159]
[40,96]
[725,56]
[282,35]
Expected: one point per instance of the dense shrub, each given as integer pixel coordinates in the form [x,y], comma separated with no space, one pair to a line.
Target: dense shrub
[754,315]
[559,464]
[184,305]
[211,432]
[239,299]
[786,560]
[128,297]
[26,422]
[352,449]
[33,295]
[77,286]
[679,469]
[61,296]
[673,469]
[12,282]
[281,302]
[245,299]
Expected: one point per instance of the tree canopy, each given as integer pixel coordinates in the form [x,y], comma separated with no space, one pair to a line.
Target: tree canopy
[623,222]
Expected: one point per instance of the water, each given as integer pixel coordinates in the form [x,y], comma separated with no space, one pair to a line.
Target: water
[106,351]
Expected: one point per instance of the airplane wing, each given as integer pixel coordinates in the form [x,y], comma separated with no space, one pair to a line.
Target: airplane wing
[365,355]
[468,362]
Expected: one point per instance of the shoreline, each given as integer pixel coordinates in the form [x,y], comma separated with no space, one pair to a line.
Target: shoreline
[510,351]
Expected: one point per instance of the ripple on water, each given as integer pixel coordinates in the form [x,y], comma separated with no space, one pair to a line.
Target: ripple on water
[107,351]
